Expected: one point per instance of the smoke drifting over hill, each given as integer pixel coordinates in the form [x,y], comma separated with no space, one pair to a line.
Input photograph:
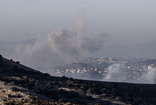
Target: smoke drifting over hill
[60,47]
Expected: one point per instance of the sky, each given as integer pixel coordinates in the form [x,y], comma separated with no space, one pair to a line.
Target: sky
[67,29]
[126,21]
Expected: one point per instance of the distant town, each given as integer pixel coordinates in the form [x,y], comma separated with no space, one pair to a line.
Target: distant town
[112,69]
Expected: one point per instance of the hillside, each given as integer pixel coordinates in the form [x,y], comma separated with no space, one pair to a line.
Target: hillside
[21,85]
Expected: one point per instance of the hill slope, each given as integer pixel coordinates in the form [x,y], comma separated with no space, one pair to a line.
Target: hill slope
[22,85]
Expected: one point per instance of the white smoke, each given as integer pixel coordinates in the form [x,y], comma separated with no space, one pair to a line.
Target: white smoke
[149,76]
[117,73]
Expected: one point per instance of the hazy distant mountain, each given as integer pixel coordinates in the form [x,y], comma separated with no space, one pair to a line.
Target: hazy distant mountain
[147,49]
[144,50]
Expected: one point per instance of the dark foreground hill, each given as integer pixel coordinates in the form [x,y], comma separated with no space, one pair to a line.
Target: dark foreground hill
[20,85]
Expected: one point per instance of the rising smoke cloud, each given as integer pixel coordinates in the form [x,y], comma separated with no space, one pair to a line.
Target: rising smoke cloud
[60,47]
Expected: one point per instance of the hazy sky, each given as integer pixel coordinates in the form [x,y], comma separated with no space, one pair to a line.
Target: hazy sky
[127,21]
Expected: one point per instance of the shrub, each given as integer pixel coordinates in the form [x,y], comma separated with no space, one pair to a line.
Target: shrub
[17,62]
[15,89]
[33,98]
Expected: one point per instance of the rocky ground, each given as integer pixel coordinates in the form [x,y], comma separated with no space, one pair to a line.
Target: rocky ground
[20,85]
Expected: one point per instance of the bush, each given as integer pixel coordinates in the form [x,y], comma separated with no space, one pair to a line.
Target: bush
[33,98]
[15,89]
[17,62]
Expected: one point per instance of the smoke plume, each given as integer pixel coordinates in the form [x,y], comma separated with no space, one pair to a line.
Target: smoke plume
[116,73]
[60,47]
[149,76]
